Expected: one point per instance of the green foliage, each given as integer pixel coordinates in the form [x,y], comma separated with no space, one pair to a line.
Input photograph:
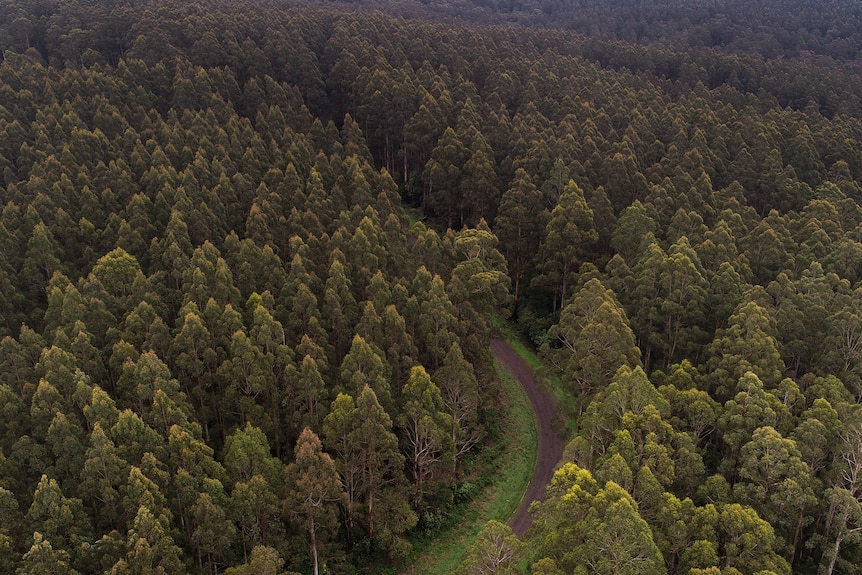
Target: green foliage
[569,236]
[263,561]
[585,528]
[593,340]
[313,488]
[427,432]
[496,550]
[201,247]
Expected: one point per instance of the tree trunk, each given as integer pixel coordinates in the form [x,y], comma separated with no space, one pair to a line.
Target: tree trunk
[404,149]
[796,537]
[387,154]
[349,489]
[565,289]
[834,556]
[517,295]
[371,517]
[313,548]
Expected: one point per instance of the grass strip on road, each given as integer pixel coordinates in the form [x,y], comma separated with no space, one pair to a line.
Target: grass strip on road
[506,475]
[567,406]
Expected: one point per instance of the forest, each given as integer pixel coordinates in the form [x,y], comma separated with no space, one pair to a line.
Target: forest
[251,257]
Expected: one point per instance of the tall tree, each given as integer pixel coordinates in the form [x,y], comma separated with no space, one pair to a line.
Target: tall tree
[338,432]
[584,527]
[633,232]
[748,541]
[520,225]
[364,366]
[311,395]
[195,359]
[43,559]
[381,482]
[59,519]
[254,507]
[459,390]
[312,490]
[480,187]
[263,561]
[246,453]
[570,235]
[434,323]
[103,475]
[592,340]
[42,259]
[10,518]
[683,301]
[495,551]
[340,311]
[775,481]
[480,281]
[845,501]
[751,408]
[747,344]
[213,533]
[443,174]
[426,431]
[150,547]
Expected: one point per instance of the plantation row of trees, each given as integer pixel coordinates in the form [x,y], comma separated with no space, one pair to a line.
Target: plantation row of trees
[225,345]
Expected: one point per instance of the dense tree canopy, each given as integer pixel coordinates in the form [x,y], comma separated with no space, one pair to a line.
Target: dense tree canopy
[228,343]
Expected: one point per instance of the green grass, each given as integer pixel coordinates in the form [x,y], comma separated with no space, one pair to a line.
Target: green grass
[567,405]
[414,215]
[515,456]
[501,495]
[519,459]
[528,355]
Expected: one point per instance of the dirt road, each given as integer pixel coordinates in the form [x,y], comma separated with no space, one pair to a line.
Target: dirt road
[550,446]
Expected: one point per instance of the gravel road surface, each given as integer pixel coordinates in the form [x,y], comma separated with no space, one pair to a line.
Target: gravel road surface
[550,447]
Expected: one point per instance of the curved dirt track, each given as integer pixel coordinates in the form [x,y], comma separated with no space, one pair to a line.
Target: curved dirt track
[550,447]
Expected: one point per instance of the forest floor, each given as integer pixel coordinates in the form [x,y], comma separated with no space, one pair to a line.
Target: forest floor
[550,444]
